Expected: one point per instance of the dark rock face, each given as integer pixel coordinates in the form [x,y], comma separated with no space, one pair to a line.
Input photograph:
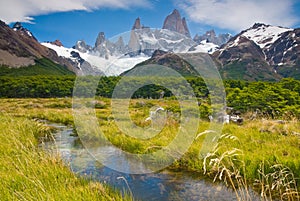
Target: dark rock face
[137,24]
[173,22]
[285,50]
[170,60]
[247,50]
[18,27]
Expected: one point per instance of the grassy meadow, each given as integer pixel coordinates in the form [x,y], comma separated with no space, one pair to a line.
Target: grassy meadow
[262,153]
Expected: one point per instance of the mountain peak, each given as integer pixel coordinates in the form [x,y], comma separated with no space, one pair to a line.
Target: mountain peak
[17,26]
[25,32]
[175,12]
[211,36]
[57,43]
[257,25]
[137,24]
[100,39]
[264,35]
[173,22]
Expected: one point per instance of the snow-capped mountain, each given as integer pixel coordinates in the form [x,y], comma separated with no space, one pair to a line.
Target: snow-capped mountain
[90,63]
[113,58]
[121,53]
[262,47]
[211,37]
[263,35]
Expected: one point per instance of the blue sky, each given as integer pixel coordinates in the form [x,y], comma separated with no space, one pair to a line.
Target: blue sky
[72,20]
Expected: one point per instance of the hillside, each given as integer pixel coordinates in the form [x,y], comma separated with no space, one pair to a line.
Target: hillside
[19,49]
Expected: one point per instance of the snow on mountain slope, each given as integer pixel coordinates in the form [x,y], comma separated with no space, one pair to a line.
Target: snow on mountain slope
[61,51]
[115,57]
[162,39]
[112,66]
[204,47]
[264,35]
[170,41]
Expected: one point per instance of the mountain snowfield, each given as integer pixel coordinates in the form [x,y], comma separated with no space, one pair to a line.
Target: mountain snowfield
[263,35]
[204,47]
[110,67]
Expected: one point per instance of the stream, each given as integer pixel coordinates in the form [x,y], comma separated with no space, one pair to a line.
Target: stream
[164,185]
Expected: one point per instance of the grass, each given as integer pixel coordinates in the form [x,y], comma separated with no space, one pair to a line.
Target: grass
[251,154]
[28,173]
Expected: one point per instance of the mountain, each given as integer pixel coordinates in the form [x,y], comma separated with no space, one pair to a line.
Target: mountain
[137,24]
[210,36]
[19,48]
[244,61]
[174,22]
[114,56]
[262,52]
[90,63]
[168,59]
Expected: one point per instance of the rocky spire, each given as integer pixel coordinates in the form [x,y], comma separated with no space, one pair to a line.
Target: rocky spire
[137,24]
[173,22]
[100,39]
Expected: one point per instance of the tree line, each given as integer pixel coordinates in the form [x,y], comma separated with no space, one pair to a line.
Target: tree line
[273,98]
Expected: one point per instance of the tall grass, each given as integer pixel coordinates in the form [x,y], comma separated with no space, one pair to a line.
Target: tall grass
[28,173]
[228,166]
[277,181]
[274,182]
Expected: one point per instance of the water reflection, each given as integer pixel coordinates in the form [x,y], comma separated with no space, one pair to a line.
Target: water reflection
[163,185]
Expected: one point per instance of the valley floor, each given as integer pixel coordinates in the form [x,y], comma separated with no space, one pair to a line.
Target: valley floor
[262,153]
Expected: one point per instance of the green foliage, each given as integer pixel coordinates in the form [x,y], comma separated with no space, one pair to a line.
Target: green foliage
[290,71]
[249,70]
[36,86]
[41,67]
[268,98]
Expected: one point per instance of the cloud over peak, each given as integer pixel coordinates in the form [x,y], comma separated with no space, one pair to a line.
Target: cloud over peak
[25,10]
[236,15]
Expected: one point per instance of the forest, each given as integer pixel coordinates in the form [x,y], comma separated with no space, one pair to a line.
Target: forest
[268,98]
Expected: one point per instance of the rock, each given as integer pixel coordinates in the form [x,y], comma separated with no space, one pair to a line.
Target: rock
[57,43]
[137,24]
[173,22]
[81,46]
[210,36]
[100,39]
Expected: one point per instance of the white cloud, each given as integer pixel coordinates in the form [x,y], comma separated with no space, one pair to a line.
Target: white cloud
[237,15]
[25,10]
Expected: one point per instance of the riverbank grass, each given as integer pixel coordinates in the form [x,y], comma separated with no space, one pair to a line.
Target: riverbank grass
[28,173]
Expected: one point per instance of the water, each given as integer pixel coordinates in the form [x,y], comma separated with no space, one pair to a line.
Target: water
[164,185]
